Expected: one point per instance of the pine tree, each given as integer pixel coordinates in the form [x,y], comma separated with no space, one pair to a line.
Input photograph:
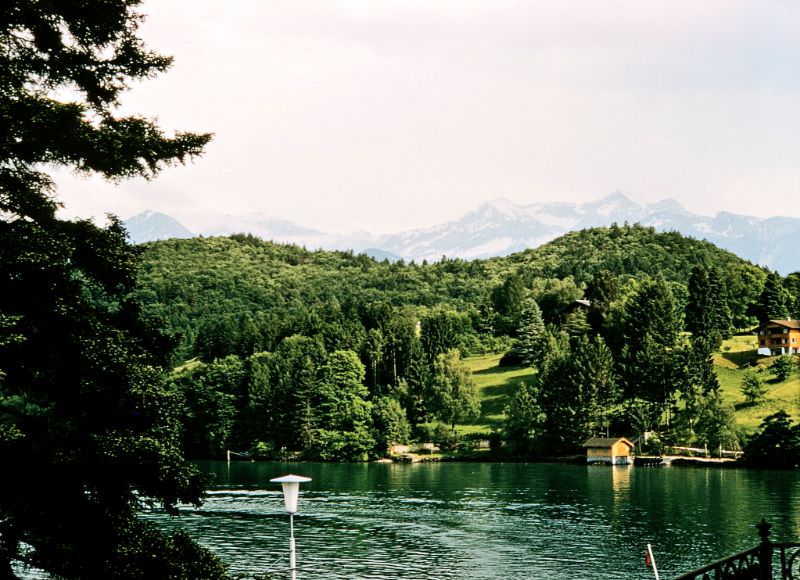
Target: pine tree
[508,300]
[602,292]
[716,426]
[652,360]
[525,420]
[530,341]
[698,306]
[784,367]
[576,391]
[707,311]
[721,317]
[771,304]
[89,429]
[792,286]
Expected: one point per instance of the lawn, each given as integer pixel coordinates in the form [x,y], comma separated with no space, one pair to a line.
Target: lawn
[737,355]
[496,385]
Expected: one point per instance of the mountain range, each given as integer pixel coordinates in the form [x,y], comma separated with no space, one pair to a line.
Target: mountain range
[501,227]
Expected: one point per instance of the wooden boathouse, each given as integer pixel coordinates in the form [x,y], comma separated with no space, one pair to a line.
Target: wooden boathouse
[611,450]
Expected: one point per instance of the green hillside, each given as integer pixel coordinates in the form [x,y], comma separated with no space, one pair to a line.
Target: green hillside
[620,323]
[275,290]
[737,356]
[497,385]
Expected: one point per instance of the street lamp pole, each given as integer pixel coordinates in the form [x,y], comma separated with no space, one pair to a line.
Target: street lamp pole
[291,491]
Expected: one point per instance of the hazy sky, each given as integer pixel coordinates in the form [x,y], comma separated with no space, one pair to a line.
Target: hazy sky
[389,115]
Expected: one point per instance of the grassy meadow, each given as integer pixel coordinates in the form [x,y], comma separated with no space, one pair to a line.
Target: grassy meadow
[738,355]
[496,385]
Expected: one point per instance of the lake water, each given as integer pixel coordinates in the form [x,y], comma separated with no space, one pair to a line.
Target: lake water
[488,520]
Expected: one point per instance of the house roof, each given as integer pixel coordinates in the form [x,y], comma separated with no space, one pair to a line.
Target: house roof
[787,323]
[606,442]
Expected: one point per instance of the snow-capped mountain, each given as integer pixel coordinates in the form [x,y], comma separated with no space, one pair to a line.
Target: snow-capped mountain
[501,227]
[149,226]
[266,227]
[496,228]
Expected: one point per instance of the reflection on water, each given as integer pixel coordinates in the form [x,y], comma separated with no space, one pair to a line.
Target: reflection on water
[494,520]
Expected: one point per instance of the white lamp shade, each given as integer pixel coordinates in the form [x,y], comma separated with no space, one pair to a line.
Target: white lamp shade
[291,489]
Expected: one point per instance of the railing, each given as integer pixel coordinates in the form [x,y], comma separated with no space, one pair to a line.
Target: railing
[757,563]
[706,451]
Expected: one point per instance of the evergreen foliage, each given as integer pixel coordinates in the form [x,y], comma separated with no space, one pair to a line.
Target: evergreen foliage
[753,387]
[653,356]
[771,304]
[716,426]
[575,392]
[229,284]
[776,444]
[452,397]
[784,367]
[525,422]
[343,414]
[401,319]
[88,429]
[390,424]
[707,311]
[508,301]
[531,333]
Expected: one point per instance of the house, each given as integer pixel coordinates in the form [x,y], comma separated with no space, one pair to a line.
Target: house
[779,337]
[612,450]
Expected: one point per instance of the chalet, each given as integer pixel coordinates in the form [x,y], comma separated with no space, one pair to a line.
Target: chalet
[612,450]
[779,337]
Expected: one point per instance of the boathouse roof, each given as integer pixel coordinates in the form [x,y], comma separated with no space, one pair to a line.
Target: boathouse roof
[605,442]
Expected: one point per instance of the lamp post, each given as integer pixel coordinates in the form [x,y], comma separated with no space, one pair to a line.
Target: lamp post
[291,491]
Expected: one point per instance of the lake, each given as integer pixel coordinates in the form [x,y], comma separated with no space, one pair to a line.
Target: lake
[488,520]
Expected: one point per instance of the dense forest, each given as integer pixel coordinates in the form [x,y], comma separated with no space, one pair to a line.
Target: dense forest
[333,355]
[240,295]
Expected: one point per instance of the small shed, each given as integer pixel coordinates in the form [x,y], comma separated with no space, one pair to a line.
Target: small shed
[611,450]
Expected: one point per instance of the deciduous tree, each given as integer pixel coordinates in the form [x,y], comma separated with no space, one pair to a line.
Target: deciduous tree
[452,397]
[753,387]
[525,421]
[343,412]
[776,444]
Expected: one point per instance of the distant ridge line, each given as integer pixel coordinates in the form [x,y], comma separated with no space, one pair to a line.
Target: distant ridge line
[501,227]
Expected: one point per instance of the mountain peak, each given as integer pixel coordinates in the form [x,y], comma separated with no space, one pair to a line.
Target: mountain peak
[500,227]
[503,207]
[667,205]
[151,225]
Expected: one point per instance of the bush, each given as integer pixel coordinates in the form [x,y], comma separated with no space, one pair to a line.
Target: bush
[653,446]
[445,438]
[753,387]
[495,441]
[784,367]
[512,358]
[776,444]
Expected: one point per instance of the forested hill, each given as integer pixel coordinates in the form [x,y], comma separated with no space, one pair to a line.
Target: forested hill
[629,250]
[241,294]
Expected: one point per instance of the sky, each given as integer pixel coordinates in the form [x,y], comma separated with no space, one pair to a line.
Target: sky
[387,115]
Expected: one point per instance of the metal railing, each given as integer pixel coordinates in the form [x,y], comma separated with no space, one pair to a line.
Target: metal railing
[757,563]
